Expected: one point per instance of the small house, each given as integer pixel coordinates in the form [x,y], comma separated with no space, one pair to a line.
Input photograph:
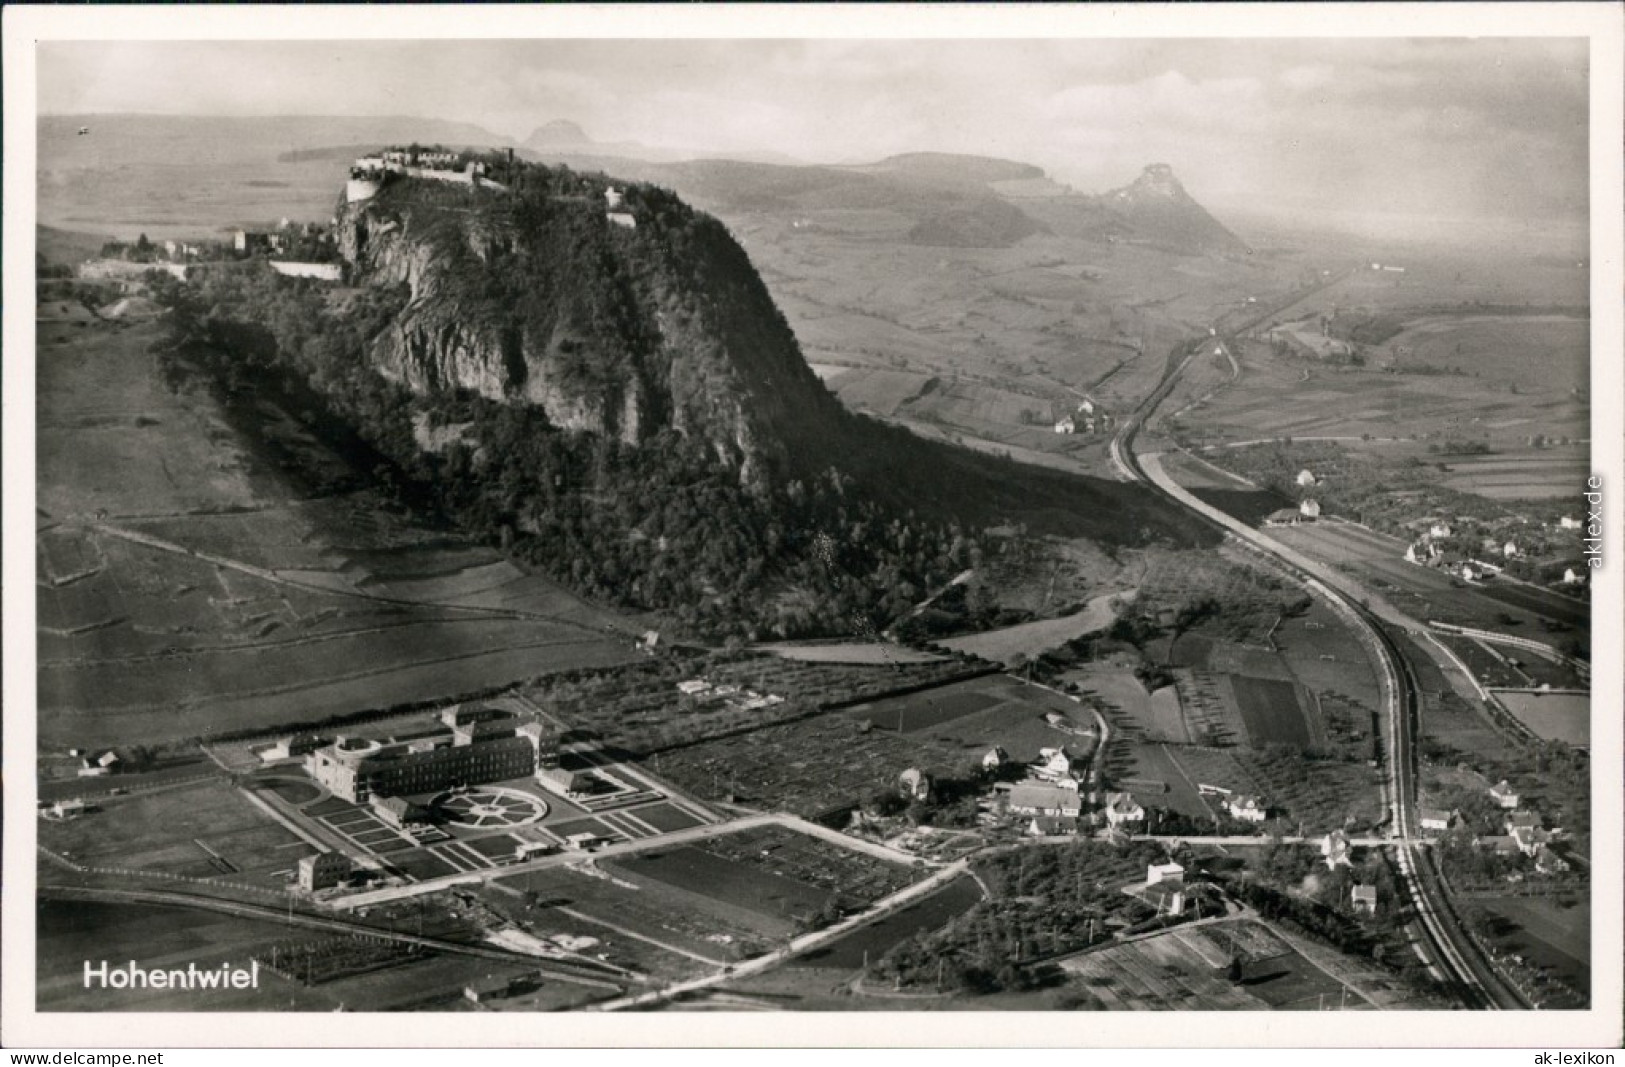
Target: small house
[1306,478]
[324,870]
[693,687]
[1335,848]
[1165,874]
[1309,509]
[995,758]
[1439,529]
[1364,899]
[1504,795]
[562,782]
[1435,820]
[1567,523]
[1522,820]
[1122,810]
[1066,425]
[398,812]
[1509,549]
[1053,763]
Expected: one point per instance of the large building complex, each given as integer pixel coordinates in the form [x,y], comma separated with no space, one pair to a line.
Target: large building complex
[470,745]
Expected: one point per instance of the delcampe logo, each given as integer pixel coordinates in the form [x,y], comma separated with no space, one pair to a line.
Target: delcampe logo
[101,975]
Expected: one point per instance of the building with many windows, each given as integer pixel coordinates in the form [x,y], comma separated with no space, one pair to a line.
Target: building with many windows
[473,745]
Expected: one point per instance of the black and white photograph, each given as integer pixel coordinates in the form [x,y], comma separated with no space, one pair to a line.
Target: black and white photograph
[653,512]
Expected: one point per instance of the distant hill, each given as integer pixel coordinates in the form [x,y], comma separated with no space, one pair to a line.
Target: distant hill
[560,133]
[946,168]
[948,200]
[227,139]
[1156,207]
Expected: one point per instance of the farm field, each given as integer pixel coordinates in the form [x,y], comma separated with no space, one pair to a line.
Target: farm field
[1547,933]
[1543,474]
[979,713]
[1032,638]
[1303,398]
[1156,776]
[1184,970]
[1562,717]
[1273,711]
[190,585]
[71,932]
[874,940]
[1122,699]
[208,830]
[1537,352]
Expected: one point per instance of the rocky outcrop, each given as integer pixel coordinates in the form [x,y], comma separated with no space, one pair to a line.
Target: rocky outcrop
[536,298]
[1158,210]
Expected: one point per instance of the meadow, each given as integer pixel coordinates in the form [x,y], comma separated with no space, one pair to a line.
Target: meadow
[1562,717]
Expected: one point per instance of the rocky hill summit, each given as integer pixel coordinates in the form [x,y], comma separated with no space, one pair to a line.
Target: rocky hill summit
[615,309]
[1157,208]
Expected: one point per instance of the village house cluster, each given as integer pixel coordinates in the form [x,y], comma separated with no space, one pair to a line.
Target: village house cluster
[1087,419]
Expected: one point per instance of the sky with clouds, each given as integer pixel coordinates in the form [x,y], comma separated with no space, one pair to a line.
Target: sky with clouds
[1438,127]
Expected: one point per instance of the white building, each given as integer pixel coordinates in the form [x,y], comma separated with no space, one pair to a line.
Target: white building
[1042,798]
[1510,549]
[1364,898]
[1309,509]
[1247,808]
[1504,795]
[1334,847]
[1306,477]
[1053,764]
[1566,523]
[1435,820]
[1439,529]
[996,757]
[1066,425]
[1123,810]
[1165,874]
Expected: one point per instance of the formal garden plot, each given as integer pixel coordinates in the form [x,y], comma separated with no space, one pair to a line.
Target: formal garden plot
[666,818]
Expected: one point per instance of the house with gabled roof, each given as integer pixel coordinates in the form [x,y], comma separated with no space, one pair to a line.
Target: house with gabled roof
[1503,794]
[1432,819]
[1123,810]
[1364,898]
[1334,847]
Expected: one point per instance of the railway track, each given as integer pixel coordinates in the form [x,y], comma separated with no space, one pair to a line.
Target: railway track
[1452,954]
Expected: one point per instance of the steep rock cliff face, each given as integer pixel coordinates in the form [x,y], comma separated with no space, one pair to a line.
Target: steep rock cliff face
[537,297]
